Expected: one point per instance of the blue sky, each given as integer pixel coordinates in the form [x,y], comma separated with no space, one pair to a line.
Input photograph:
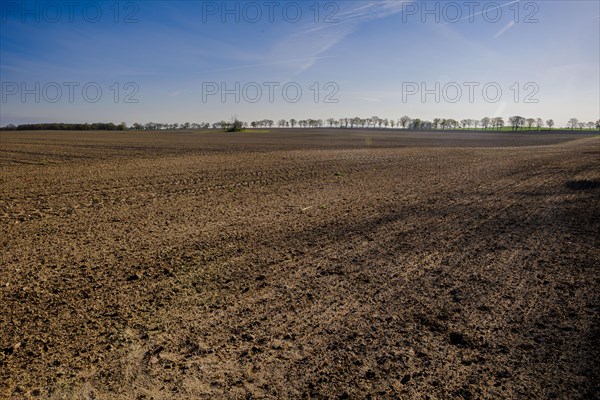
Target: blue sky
[365,58]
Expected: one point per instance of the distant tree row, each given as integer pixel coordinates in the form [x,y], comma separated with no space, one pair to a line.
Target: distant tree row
[497,123]
[574,123]
[157,126]
[100,126]
[516,123]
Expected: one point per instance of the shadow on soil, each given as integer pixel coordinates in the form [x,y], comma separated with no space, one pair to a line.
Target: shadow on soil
[583,185]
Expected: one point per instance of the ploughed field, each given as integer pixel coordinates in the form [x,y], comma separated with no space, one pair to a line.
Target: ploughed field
[299,264]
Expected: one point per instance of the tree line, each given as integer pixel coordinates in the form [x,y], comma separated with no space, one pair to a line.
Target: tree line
[99,126]
[497,123]
[516,123]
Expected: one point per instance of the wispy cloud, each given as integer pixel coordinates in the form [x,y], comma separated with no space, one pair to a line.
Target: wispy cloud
[504,30]
[487,10]
[500,110]
[178,92]
[247,66]
[372,99]
[316,39]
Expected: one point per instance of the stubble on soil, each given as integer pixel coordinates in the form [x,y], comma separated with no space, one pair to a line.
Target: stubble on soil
[323,265]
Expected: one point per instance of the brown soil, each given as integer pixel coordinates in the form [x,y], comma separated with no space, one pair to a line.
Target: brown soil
[315,264]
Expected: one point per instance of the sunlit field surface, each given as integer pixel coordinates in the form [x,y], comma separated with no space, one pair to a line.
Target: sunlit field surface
[299,263]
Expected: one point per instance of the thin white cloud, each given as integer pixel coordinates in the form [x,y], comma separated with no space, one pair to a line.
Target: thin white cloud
[372,99]
[500,110]
[504,30]
[178,92]
[247,66]
[470,16]
[315,40]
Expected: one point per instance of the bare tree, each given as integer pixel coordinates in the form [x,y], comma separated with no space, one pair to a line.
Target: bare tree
[530,123]
[485,122]
[573,123]
[404,121]
[539,123]
[550,123]
[516,122]
[498,123]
